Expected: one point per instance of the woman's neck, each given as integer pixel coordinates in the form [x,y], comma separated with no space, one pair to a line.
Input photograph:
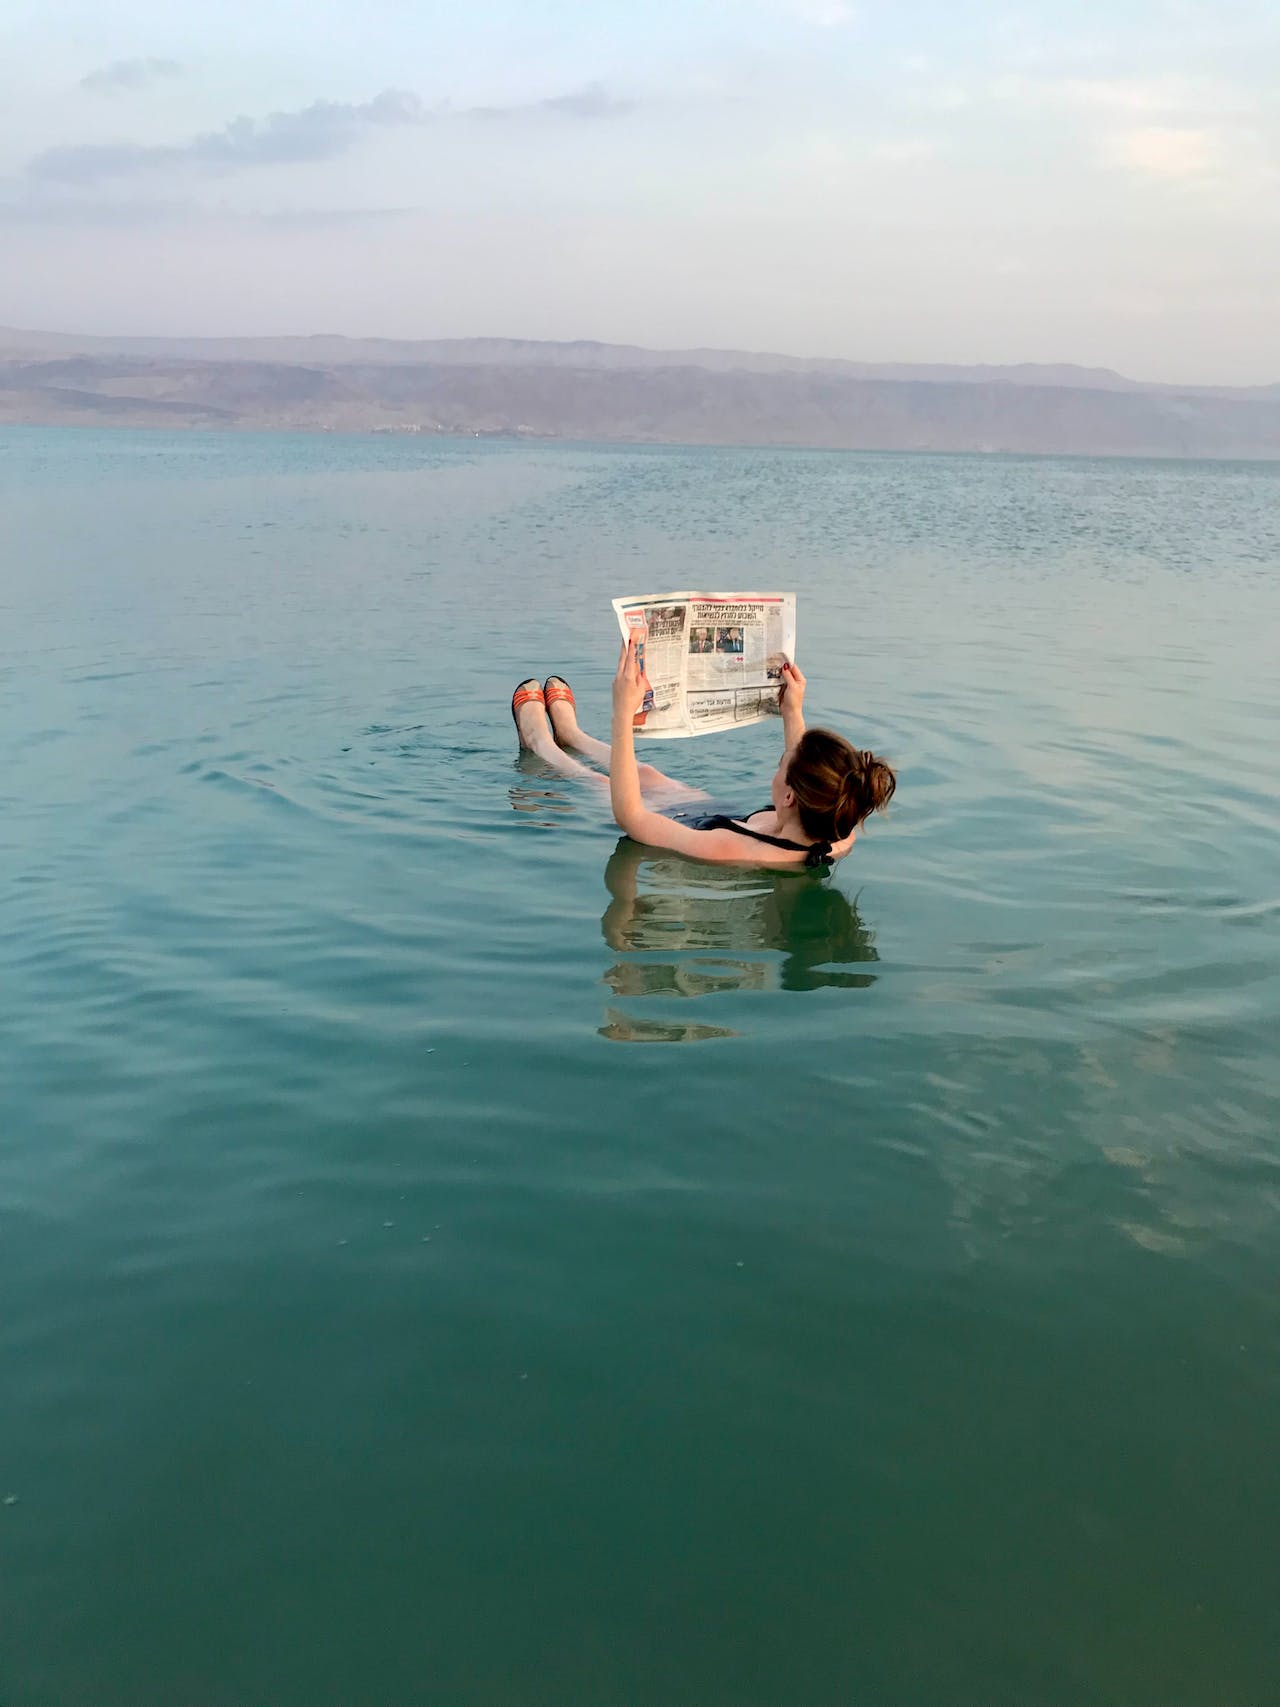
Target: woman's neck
[792,829]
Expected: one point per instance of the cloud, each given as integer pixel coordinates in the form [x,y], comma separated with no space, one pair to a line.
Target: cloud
[1176,128]
[86,163]
[321,131]
[1116,94]
[591,101]
[1157,151]
[318,132]
[1171,99]
[129,74]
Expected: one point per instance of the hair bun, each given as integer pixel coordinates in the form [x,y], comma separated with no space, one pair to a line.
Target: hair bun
[836,785]
[880,782]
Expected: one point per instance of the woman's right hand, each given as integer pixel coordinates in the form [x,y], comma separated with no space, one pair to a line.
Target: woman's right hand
[628,684]
[791,696]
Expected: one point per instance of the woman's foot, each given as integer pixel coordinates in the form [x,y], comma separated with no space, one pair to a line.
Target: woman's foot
[530,714]
[562,709]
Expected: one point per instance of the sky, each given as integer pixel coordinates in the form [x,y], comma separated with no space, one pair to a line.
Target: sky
[946,182]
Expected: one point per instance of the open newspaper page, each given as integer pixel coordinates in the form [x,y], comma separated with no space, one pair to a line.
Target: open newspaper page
[710,661]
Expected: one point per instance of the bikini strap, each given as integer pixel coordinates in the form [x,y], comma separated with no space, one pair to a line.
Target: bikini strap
[815,854]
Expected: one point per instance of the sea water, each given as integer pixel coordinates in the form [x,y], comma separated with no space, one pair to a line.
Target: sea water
[447,1254]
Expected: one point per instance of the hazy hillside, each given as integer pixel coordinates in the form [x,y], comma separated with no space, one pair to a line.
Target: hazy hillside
[333,351]
[618,392]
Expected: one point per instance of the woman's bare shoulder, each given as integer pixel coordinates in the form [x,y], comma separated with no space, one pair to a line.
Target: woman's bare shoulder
[656,831]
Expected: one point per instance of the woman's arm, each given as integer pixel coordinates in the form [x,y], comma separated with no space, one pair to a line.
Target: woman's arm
[624,778]
[629,810]
[792,704]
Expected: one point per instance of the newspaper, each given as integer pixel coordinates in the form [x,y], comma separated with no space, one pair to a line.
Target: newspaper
[710,661]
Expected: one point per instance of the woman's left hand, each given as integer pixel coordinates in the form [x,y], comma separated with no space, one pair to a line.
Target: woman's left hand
[628,684]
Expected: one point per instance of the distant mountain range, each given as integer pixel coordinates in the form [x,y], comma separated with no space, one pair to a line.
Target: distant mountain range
[505,386]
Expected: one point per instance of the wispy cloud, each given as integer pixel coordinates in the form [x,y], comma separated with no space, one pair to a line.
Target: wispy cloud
[318,132]
[591,101]
[1105,94]
[1169,99]
[321,131]
[129,74]
[1173,128]
[1163,151]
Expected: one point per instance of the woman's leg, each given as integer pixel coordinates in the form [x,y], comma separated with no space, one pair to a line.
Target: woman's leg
[564,723]
[535,737]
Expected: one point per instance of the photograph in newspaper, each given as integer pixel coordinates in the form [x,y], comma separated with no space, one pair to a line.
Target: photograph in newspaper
[709,661]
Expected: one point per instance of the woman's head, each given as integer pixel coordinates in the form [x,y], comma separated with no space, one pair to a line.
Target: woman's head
[831,784]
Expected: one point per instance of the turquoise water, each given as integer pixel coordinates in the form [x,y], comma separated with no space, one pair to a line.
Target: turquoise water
[447,1256]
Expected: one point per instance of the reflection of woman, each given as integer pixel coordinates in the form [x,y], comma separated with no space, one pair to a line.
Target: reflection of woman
[822,789]
[732,912]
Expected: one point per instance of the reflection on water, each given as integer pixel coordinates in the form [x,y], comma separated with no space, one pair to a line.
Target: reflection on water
[626,1028]
[543,803]
[708,930]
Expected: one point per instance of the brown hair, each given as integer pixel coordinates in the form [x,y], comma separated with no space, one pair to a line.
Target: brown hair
[836,784]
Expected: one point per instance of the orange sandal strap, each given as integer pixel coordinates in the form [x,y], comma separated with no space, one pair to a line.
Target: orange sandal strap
[554,692]
[525,696]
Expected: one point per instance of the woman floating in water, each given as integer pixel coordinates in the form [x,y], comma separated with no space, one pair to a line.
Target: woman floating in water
[822,789]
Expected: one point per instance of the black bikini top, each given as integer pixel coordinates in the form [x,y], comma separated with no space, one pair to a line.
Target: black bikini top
[815,853]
